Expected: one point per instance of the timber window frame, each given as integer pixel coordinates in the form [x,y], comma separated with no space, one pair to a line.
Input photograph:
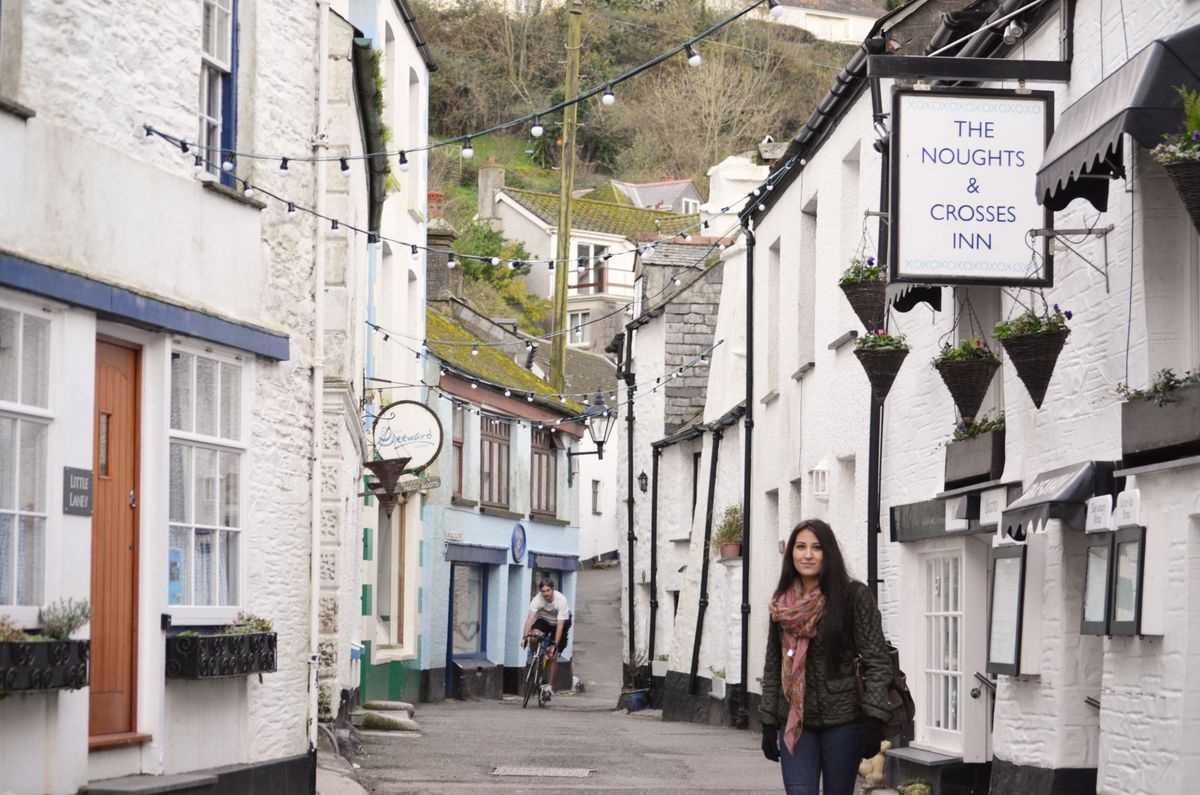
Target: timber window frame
[495,452]
[216,106]
[543,473]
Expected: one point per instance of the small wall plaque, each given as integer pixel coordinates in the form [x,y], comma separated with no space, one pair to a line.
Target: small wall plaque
[1128,512]
[77,491]
[1099,514]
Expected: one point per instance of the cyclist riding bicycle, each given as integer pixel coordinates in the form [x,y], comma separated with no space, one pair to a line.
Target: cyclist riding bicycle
[550,613]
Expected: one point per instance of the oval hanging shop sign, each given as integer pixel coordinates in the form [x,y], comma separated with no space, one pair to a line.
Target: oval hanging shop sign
[407,429]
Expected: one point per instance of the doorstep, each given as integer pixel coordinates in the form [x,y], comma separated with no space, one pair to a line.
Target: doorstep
[190,783]
[921,756]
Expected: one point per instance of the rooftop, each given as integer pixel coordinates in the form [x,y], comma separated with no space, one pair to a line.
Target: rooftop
[601,216]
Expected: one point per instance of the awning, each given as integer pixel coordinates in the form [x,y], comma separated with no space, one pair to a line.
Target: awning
[540,560]
[1140,99]
[473,553]
[1058,494]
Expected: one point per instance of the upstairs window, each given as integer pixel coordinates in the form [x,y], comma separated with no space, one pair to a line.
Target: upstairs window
[591,269]
[578,324]
[544,473]
[217,106]
[494,448]
[457,422]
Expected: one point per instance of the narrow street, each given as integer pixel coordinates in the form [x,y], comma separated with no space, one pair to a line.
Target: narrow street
[462,743]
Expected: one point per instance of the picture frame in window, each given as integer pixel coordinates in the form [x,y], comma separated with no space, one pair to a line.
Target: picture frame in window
[1006,607]
[1128,568]
[1097,585]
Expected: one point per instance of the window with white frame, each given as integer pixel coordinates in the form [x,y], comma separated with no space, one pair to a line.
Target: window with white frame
[544,473]
[205,463]
[216,106]
[24,425]
[596,497]
[591,269]
[941,585]
[691,206]
[578,323]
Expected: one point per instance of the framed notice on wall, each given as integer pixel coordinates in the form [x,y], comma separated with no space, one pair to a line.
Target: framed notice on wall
[963,187]
[1006,605]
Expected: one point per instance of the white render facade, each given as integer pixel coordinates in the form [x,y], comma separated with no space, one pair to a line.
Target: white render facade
[167,333]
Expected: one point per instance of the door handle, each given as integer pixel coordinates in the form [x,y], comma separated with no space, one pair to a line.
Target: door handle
[132,499]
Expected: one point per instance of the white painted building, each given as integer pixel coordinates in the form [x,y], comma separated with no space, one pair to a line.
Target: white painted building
[842,21]
[176,338]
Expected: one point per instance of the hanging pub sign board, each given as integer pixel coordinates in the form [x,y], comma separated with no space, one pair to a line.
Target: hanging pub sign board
[963,177]
[407,429]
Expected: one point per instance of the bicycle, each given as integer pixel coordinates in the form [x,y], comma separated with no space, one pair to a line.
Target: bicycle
[535,669]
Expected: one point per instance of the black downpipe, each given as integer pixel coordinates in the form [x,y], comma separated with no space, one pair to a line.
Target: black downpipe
[704,554]
[630,393]
[875,433]
[653,552]
[743,711]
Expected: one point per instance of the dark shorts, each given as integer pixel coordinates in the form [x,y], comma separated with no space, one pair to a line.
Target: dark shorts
[551,627]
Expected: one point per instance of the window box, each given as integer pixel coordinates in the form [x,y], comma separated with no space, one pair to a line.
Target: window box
[44,665]
[1151,433]
[220,656]
[977,460]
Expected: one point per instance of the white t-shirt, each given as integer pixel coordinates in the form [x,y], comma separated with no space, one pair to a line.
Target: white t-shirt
[553,610]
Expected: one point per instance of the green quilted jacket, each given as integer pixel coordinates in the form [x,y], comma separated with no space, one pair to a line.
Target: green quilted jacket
[831,695]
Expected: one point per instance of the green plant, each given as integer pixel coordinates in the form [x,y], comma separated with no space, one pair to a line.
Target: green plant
[971,349]
[1031,322]
[862,270]
[1161,386]
[915,787]
[969,430]
[1184,146]
[663,657]
[61,618]
[718,673]
[881,340]
[188,633]
[9,631]
[247,624]
[729,531]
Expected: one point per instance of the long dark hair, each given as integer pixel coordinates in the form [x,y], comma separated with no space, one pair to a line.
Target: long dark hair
[838,623]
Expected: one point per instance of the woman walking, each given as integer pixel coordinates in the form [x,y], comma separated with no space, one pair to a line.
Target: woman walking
[814,721]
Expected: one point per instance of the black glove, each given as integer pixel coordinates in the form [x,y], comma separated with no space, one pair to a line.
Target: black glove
[870,739]
[770,742]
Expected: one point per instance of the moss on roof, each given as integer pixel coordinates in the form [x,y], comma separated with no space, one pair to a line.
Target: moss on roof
[492,365]
[608,217]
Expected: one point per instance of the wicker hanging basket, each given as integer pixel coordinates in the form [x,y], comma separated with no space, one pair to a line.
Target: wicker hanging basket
[1186,177]
[869,300]
[1034,356]
[881,365]
[968,381]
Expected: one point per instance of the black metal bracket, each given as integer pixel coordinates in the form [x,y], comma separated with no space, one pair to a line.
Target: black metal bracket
[975,69]
[165,621]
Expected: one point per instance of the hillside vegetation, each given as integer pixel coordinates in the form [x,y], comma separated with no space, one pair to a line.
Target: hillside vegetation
[757,79]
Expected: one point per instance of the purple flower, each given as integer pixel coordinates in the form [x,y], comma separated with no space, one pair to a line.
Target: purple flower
[1056,309]
[1196,135]
[871,261]
[1068,315]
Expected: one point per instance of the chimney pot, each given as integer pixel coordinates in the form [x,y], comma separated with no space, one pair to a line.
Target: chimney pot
[436,200]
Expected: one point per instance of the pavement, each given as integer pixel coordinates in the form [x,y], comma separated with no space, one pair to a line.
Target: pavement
[579,741]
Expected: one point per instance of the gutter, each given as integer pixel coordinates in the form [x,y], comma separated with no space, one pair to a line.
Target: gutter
[363,62]
[418,36]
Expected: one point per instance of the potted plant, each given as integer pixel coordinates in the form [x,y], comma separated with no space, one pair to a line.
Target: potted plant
[246,646]
[727,538]
[1162,421]
[48,659]
[637,685]
[975,454]
[1179,154]
[718,682]
[658,667]
[881,355]
[967,370]
[865,289]
[1033,341]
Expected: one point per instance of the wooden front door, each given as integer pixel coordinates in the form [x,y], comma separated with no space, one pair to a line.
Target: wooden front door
[114,542]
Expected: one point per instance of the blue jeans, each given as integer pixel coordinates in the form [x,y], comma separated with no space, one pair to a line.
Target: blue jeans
[828,753]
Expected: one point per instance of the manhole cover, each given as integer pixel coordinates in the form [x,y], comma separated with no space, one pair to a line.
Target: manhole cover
[543,772]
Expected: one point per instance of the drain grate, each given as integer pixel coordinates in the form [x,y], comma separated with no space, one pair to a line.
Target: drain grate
[543,772]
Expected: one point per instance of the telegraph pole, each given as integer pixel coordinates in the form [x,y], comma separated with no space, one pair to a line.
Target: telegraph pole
[558,353]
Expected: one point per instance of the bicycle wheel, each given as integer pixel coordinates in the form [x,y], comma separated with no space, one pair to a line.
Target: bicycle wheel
[542,681]
[532,678]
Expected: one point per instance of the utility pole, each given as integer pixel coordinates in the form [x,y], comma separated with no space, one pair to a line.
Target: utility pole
[558,353]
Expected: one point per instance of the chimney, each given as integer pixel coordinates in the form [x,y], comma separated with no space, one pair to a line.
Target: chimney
[491,179]
[441,282]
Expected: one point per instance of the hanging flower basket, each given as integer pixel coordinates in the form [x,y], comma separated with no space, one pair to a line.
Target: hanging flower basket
[869,301]
[967,371]
[1186,176]
[1034,356]
[881,355]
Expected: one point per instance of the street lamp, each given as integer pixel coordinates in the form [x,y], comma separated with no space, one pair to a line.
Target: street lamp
[643,481]
[599,420]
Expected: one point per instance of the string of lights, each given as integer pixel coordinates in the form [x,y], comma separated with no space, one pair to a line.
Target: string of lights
[605,90]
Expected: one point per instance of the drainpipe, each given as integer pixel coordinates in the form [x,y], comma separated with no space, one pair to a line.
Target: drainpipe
[318,369]
[630,392]
[653,552]
[743,711]
[708,520]
[875,432]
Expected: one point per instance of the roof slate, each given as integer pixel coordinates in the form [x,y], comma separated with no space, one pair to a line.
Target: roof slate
[607,217]
[679,255]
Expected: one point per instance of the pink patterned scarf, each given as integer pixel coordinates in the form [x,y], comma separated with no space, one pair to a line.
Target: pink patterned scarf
[797,617]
